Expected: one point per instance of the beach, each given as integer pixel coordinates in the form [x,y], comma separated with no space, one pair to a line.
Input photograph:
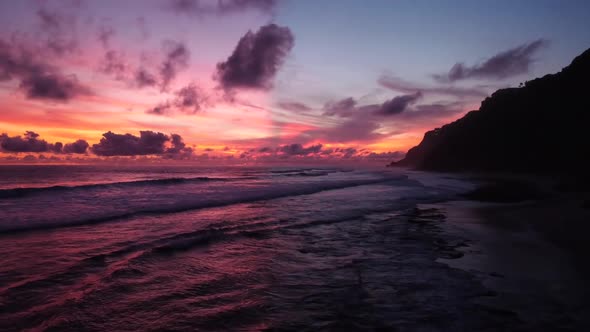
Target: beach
[531,254]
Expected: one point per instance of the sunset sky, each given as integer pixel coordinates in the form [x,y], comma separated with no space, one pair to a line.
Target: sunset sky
[262,80]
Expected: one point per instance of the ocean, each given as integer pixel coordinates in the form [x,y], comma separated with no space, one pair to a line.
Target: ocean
[185,248]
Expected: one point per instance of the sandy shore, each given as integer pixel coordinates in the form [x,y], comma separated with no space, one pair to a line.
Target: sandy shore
[531,254]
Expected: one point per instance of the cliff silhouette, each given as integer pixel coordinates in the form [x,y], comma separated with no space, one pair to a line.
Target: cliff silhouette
[540,127]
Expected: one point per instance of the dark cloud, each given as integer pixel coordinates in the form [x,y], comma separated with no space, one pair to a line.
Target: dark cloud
[30,142]
[399,85]
[365,123]
[160,109]
[398,104]
[231,6]
[37,79]
[509,63]
[144,78]
[294,107]
[78,147]
[384,157]
[113,63]
[343,108]
[177,57]
[318,153]
[105,34]
[178,146]
[298,149]
[256,59]
[59,30]
[221,7]
[52,86]
[188,99]
[347,107]
[346,152]
[148,143]
[57,147]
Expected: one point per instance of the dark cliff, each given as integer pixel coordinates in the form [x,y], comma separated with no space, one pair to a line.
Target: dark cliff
[542,127]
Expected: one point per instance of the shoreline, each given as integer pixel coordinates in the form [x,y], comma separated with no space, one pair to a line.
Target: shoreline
[528,254]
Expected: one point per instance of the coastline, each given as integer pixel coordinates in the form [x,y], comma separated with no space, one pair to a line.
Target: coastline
[529,254]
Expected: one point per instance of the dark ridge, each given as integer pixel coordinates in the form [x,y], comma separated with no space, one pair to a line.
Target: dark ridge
[540,127]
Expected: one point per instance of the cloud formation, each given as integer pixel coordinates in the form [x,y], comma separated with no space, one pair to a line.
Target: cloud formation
[505,64]
[256,59]
[30,142]
[343,108]
[105,34]
[189,99]
[79,147]
[38,80]
[398,104]
[113,63]
[59,30]
[148,143]
[143,78]
[399,85]
[176,59]
[347,107]
[294,107]
[298,149]
[221,7]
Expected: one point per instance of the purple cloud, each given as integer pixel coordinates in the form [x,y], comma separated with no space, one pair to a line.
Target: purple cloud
[160,109]
[399,85]
[347,107]
[177,57]
[222,7]
[78,147]
[298,149]
[105,34]
[52,86]
[37,79]
[113,63]
[60,31]
[505,64]
[294,107]
[148,143]
[30,142]
[256,59]
[178,146]
[144,78]
[398,104]
[343,108]
[188,99]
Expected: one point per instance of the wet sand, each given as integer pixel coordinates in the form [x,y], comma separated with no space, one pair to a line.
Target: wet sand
[530,255]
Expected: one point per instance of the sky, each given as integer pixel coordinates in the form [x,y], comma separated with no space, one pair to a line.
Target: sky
[256,81]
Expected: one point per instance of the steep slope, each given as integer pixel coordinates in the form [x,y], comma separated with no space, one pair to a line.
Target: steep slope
[540,127]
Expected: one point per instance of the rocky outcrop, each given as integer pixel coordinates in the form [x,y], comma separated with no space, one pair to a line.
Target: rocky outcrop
[541,127]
